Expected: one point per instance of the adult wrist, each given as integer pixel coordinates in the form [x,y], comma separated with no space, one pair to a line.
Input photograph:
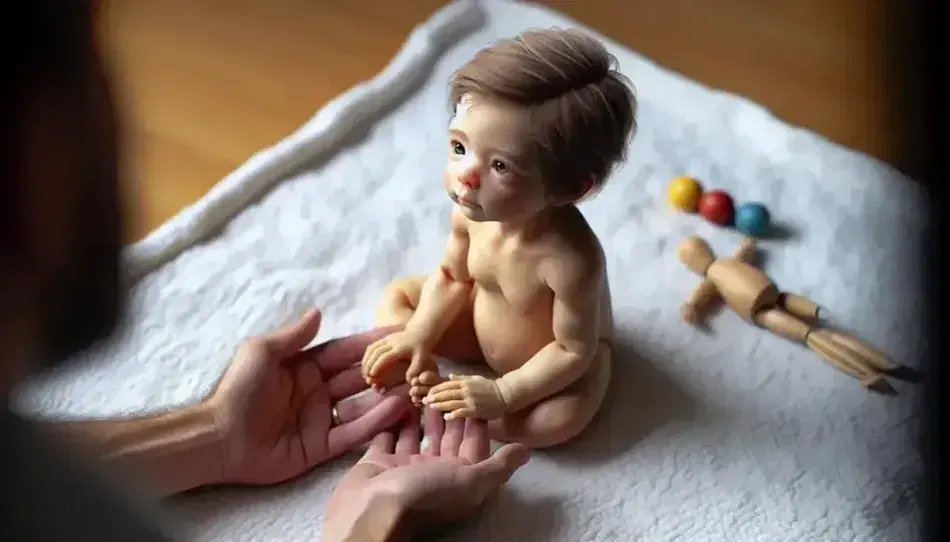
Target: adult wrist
[376,518]
[213,454]
[183,450]
[173,452]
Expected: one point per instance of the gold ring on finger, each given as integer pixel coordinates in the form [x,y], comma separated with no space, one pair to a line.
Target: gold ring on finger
[334,416]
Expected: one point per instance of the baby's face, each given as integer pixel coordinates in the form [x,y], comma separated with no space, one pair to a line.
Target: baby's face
[489,174]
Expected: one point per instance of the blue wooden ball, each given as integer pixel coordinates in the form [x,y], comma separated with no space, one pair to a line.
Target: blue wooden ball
[752,219]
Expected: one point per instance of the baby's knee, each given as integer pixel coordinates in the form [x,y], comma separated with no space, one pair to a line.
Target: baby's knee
[400,299]
[404,289]
[551,422]
[564,416]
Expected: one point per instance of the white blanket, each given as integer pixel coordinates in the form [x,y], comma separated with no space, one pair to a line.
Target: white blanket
[732,435]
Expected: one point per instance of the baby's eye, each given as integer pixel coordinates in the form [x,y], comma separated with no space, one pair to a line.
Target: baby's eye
[500,167]
[458,148]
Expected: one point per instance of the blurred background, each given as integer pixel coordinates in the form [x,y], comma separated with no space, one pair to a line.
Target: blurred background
[207,83]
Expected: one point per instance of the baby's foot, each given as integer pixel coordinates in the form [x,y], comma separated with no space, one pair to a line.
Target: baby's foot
[419,386]
[391,378]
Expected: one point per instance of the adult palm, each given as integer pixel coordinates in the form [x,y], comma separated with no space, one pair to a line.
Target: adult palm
[275,403]
[451,478]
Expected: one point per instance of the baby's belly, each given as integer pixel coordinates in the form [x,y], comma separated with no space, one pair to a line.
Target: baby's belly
[509,336]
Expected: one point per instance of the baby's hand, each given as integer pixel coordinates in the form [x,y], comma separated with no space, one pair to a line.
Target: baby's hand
[419,386]
[392,350]
[393,377]
[467,397]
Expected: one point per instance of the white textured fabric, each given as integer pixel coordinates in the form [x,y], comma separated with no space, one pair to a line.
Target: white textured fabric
[732,435]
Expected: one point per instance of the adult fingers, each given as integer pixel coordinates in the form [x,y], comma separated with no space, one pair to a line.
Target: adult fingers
[294,336]
[346,383]
[350,435]
[342,352]
[382,443]
[452,438]
[351,382]
[434,429]
[495,471]
[366,468]
[476,446]
[258,353]
[408,442]
[352,407]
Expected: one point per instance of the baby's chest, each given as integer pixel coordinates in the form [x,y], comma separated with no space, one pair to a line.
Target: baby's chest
[508,273]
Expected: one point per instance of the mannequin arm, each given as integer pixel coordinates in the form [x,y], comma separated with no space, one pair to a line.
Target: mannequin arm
[702,295]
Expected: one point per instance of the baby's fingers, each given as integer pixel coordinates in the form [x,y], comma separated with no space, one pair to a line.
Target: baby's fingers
[384,360]
[430,378]
[416,366]
[448,385]
[460,413]
[442,396]
[447,406]
[372,353]
[418,393]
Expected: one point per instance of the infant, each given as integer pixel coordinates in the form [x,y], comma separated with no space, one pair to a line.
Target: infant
[541,120]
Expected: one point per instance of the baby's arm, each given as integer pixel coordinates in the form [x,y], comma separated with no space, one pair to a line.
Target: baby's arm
[445,291]
[443,294]
[577,283]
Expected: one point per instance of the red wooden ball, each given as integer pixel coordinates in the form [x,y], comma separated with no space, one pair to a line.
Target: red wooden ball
[717,207]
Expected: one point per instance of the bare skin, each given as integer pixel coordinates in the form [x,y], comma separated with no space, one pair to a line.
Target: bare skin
[522,288]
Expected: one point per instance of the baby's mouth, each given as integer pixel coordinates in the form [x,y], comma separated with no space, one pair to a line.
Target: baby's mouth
[462,201]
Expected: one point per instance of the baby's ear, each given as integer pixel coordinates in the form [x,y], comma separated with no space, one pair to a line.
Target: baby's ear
[586,189]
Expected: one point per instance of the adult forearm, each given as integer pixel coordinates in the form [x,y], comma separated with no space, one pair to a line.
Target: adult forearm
[549,371]
[440,301]
[172,452]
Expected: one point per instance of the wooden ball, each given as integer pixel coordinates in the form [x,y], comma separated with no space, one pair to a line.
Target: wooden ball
[752,219]
[684,194]
[717,207]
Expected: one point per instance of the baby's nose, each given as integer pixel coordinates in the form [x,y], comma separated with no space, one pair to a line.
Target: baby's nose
[470,178]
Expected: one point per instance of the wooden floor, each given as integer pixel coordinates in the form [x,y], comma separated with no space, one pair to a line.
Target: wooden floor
[206,83]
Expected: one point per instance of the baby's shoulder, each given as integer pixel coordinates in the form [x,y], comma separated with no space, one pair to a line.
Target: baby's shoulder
[572,249]
[572,236]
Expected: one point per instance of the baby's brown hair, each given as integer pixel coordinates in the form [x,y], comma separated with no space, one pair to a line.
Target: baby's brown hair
[582,108]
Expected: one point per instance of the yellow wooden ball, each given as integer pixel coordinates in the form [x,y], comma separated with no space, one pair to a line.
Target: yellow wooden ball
[684,194]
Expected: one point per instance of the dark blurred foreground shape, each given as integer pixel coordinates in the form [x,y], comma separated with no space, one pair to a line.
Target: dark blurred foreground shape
[916,44]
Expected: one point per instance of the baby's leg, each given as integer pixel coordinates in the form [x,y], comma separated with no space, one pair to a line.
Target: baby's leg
[458,343]
[562,417]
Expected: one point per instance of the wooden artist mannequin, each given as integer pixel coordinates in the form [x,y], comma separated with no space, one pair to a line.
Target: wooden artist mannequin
[540,121]
[754,297]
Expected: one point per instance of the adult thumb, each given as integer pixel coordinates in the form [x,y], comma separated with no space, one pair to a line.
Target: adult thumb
[498,469]
[293,337]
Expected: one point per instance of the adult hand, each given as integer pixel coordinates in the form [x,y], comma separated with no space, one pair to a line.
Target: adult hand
[451,478]
[283,410]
